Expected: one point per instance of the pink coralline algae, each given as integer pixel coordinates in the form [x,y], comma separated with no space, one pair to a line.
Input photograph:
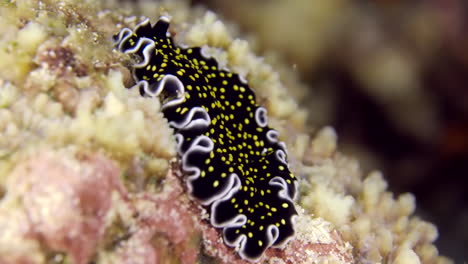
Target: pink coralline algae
[164,229]
[59,203]
[62,205]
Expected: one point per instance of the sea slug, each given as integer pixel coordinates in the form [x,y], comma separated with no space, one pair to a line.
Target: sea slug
[233,161]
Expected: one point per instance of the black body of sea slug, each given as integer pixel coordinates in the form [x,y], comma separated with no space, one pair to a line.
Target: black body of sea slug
[234,162]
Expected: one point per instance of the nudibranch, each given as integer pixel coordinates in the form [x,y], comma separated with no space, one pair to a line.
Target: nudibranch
[234,163]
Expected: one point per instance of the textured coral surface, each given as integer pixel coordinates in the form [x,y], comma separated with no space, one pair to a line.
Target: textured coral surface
[88,172]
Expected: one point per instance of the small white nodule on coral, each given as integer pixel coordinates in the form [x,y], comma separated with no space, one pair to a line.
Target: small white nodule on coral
[406,256]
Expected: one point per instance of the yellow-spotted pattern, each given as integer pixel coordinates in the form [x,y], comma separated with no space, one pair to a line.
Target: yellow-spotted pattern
[234,162]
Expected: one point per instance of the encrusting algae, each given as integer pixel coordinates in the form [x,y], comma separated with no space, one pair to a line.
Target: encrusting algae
[89,171]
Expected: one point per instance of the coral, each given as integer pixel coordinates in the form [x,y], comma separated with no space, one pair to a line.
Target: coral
[380,227]
[82,158]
